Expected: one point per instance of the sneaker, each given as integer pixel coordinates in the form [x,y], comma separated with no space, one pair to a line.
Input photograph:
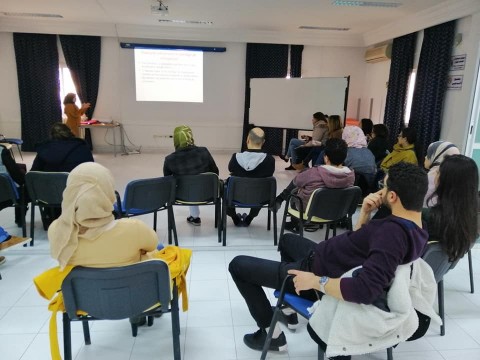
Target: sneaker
[237,220]
[3,259]
[290,321]
[256,341]
[290,167]
[194,221]
[284,158]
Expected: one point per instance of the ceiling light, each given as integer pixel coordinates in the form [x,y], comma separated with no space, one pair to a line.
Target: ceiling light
[160,9]
[366,3]
[195,22]
[324,28]
[18,14]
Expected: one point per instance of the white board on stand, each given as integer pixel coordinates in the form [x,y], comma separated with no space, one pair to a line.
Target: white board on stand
[290,103]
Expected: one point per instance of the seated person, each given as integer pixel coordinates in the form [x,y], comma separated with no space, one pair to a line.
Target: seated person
[87,234]
[16,172]
[319,135]
[436,153]
[359,158]
[331,175]
[335,131]
[404,150]
[252,163]
[367,127]
[379,144]
[188,159]
[63,152]
[452,216]
[318,267]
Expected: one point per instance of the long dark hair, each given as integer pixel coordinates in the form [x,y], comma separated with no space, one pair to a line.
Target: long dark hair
[456,209]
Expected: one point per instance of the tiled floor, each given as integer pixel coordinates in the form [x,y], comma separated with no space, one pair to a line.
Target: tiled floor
[218,318]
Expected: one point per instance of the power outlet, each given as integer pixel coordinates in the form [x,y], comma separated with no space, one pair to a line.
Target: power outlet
[156,136]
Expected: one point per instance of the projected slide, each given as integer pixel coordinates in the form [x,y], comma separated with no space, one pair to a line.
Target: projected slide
[169,75]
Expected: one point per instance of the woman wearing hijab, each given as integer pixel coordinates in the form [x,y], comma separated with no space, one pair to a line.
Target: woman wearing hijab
[436,153]
[86,233]
[359,157]
[188,159]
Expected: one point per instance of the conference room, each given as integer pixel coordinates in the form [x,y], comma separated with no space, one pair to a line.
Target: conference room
[219,67]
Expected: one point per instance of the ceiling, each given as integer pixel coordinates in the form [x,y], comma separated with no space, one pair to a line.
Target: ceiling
[275,21]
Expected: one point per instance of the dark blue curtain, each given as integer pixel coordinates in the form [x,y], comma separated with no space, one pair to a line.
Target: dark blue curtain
[403,52]
[264,61]
[296,52]
[431,83]
[36,56]
[82,54]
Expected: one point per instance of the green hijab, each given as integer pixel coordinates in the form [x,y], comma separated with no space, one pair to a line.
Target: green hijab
[182,137]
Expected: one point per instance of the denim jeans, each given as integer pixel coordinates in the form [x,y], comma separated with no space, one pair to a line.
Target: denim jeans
[251,273]
[294,143]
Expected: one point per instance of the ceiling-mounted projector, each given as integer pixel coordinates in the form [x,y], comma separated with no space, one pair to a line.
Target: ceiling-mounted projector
[159,9]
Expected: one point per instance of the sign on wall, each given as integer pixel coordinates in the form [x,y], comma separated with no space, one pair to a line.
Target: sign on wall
[455,82]
[458,62]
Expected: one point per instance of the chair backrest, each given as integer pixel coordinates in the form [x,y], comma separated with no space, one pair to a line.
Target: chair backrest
[46,187]
[251,191]
[201,188]
[119,292]
[438,260]
[8,189]
[333,204]
[149,194]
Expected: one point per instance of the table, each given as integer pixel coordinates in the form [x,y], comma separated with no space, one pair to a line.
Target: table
[13,241]
[107,126]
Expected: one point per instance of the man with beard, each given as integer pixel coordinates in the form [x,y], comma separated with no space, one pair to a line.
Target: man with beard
[379,246]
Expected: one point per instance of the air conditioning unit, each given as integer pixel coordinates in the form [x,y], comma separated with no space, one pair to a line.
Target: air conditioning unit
[379,53]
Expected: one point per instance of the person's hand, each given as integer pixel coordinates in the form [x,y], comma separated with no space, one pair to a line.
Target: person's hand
[303,280]
[85,105]
[373,201]
[304,137]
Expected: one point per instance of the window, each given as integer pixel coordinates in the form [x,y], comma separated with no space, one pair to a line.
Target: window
[411,87]
[66,84]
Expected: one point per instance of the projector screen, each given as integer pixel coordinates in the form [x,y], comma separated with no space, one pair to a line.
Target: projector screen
[169,75]
[290,103]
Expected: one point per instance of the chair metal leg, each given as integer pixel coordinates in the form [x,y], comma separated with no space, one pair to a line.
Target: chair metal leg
[86,332]
[390,353]
[155,221]
[173,226]
[275,238]
[32,222]
[321,353]
[67,337]
[470,270]
[441,307]
[175,324]
[268,340]
[269,219]
[224,223]
[327,231]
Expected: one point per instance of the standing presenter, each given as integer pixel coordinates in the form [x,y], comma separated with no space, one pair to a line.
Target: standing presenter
[73,113]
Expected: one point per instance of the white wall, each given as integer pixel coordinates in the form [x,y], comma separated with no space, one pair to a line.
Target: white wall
[323,61]
[458,103]
[9,99]
[374,92]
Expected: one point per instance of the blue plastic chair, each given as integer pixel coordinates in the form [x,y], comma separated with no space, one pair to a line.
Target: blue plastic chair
[300,305]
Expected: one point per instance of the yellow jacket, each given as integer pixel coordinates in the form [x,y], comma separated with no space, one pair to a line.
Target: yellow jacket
[399,154]
[49,285]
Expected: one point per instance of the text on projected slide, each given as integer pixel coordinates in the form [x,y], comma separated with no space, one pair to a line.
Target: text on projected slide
[168,75]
